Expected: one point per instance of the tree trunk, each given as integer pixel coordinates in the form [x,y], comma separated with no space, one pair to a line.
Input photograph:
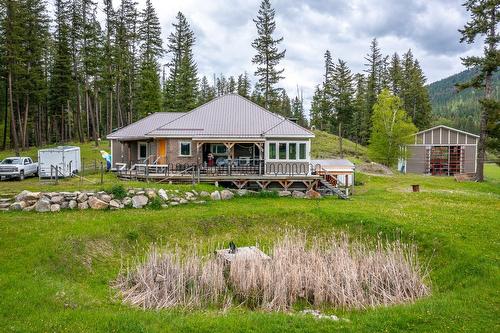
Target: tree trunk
[12,116]
[340,141]
[6,117]
[25,122]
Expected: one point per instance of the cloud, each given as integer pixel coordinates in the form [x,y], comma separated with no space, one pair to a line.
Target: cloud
[225,30]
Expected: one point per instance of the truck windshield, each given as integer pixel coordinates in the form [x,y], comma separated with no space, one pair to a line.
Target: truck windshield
[11,161]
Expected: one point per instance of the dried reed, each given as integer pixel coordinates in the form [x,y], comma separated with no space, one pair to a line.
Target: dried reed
[333,271]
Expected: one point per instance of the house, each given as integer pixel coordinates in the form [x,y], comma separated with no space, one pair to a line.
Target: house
[227,139]
[441,150]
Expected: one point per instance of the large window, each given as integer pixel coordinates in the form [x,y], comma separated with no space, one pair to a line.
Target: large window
[185,149]
[218,149]
[272,151]
[302,151]
[292,151]
[282,151]
[143,150]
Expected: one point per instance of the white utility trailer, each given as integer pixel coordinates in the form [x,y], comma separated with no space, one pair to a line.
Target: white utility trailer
[64,159]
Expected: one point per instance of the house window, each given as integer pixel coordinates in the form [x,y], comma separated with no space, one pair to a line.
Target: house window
[302,151]
[143,150]
[282,151]
[185,148]
[218,149]
[292,151]
[272,151]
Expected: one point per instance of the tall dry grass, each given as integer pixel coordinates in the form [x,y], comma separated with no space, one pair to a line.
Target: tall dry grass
[333,271]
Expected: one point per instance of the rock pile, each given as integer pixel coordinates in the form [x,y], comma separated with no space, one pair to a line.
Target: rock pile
[135,198]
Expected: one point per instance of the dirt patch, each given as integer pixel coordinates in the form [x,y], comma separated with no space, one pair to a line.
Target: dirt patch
[373,168]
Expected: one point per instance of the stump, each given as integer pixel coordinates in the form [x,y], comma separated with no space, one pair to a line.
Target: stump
[415,188]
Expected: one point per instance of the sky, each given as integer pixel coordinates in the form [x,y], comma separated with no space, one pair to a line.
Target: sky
[225,30]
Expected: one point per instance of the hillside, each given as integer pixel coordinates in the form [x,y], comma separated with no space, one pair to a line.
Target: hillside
[326,145]
[460,110]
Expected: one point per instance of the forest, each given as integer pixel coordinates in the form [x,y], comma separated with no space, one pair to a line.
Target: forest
[84,68]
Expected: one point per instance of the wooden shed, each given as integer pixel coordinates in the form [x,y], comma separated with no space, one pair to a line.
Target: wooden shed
[441,150]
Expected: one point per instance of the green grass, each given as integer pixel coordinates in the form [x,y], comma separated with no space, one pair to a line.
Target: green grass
[55,269]
[326,145]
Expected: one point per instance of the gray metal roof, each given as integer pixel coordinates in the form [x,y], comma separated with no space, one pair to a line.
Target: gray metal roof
[333,162]
[140,128]
[449,128]
[230,116]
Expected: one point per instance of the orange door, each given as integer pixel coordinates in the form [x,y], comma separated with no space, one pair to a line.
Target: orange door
[162,151]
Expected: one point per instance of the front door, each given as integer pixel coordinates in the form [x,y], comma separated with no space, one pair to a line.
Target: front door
[162,151]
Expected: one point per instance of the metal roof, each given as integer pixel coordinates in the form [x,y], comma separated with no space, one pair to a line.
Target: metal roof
[230,116]
[449,128]
[140,128]
[334,163]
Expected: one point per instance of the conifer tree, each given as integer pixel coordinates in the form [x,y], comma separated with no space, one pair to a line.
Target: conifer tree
[206,92]
[243,85]
[149,93]
[395,75]
[483,22]
[373,80]
[268,55]
[180,91]
[343,96]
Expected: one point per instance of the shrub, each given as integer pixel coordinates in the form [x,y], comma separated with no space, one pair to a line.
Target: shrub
[118,191]
[332,271]
[155,203]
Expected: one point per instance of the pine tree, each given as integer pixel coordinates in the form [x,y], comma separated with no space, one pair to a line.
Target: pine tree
[206,92]
[243,85]
[298,109]
[61,83]
[484,21]
[395,75]
[373,81]
[180,91]
[360,122]
[268,56]
[231,85]
[343,96]
[285,107]
[149,93]
[108,62]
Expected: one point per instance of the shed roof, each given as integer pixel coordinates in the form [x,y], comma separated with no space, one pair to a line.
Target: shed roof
[140,128]
[449,128]
[334,163]
[230,116]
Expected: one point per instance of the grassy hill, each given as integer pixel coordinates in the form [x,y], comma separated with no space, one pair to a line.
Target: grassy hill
[56,269]
[460,110]
[326,145]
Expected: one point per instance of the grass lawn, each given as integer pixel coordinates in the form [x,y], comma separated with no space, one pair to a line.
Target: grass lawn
[55,269]
[326,145]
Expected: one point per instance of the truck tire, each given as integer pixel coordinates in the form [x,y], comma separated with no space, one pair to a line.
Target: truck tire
[21,175]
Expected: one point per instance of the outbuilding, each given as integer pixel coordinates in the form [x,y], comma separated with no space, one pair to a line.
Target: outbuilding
[441,151]
[63,159]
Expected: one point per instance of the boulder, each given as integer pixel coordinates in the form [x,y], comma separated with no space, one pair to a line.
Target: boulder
[140,192]
[64,204]
[195,192]
[95,203]
[215,195]
[164,206]
[174,203]
[226,195]
[188,195]
[83,205]
[139,201]
[57,199]
[29,208]
[151,194]
[127,201]
[312,194]
[28,196]
[130,192]
[55,207]
[105,197]
[18,205]
[298,194]
[284,193]
[114,204]
[200,202]
[42,205]
[163,194]
[82,197]
[204,194]
[183,201]
[72,204]
[242,192]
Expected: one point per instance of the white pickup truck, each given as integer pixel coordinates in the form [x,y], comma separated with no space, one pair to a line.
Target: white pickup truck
[18,167]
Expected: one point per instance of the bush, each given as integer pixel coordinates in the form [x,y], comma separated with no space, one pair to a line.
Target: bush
[118,191]
[155,203]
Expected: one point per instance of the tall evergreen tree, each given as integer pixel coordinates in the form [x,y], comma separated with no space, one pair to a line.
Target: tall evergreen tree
[149,93]
[206,92]
[483,22]
[343,96]
[373,81]
[180,91]
[243,85]
[268,55]
[395,75]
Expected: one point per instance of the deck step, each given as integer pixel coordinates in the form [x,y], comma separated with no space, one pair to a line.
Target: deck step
[334,190]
